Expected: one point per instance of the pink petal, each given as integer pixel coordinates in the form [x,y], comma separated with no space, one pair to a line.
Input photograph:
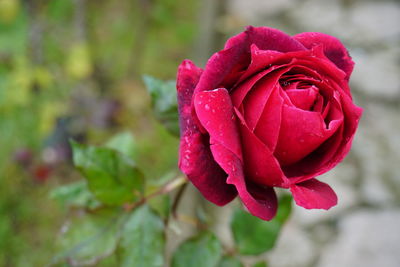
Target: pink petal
[215,112]
[261,201]
[260,164]
[195,158]
[313,194]
[333,49]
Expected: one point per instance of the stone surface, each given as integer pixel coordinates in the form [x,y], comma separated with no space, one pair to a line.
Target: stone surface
[294,248]
[367,239]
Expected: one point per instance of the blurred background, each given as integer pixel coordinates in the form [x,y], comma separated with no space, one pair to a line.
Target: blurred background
[73,69]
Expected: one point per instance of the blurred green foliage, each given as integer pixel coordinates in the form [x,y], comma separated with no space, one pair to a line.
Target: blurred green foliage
[72,69]
[262,235]
[202,250]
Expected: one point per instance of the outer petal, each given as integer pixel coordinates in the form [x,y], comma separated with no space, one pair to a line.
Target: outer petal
[222,64]
[195,158]
[259,200]
[333,49]
[313,194]
[266,39]
[235,58]
[215,112]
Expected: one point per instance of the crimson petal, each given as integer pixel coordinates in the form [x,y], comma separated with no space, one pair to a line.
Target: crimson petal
[313,194]
[260,200]
[215,112]
[301,132]
[260,164]
[195,158]
[333,49]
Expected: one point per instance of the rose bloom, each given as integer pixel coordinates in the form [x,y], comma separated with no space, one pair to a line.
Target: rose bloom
[269,110]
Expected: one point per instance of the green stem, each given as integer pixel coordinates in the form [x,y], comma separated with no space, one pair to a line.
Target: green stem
[166,188]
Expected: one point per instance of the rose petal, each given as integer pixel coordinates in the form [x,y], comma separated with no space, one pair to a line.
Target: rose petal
[256,99]
[260,164]
[215,112]
[333,150]
[301,132]
[272,39]
[269,124]
[333,49]
[352,115]
[303,98]
[235,58]
[267,59]
[266,39]
[219,121]
[317,162]
[240,92]
[195,158]
[220,65]
[313,194]
[261,201]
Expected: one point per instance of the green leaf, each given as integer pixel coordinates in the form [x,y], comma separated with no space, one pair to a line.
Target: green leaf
[75,194]
[260,264]
[89,237]
[142,242]
[203,250]
[254,236]
[124,143]
[229,261]
[112,177]
[163,98]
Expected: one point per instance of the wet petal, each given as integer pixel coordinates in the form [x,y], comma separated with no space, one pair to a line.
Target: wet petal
[195,158]
[261,201]
[215,112]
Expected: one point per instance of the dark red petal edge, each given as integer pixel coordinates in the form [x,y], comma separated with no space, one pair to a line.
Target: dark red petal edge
[215,111]
[333,49]
[195,158]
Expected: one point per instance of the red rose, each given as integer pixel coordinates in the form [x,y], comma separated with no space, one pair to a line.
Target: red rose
[269,110]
